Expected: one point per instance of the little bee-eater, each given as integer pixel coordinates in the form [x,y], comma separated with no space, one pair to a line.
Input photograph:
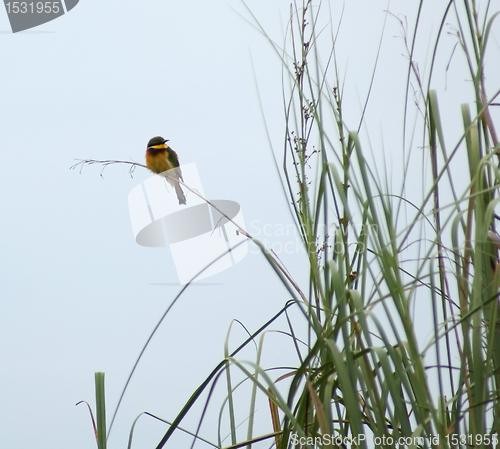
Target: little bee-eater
[160,158]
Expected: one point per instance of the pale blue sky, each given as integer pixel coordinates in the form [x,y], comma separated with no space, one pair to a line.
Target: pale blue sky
[76,293]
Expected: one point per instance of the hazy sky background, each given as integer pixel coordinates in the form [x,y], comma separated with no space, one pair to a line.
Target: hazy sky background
[78,293]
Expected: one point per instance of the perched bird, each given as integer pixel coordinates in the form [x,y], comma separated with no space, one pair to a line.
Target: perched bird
[160,158]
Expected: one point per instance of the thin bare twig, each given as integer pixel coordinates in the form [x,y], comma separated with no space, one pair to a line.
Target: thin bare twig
[82,162]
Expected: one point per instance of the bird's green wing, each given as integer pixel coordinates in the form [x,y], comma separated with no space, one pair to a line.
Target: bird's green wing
[172,157]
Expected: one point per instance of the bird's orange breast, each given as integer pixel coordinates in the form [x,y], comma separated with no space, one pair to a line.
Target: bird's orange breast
[157,159]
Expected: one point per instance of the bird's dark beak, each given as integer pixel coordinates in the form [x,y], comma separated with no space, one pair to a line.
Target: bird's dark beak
[165,141]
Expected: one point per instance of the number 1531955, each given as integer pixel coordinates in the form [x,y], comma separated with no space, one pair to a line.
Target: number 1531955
[33,7]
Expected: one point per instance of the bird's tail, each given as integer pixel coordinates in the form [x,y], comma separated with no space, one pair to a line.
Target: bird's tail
[180,194]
